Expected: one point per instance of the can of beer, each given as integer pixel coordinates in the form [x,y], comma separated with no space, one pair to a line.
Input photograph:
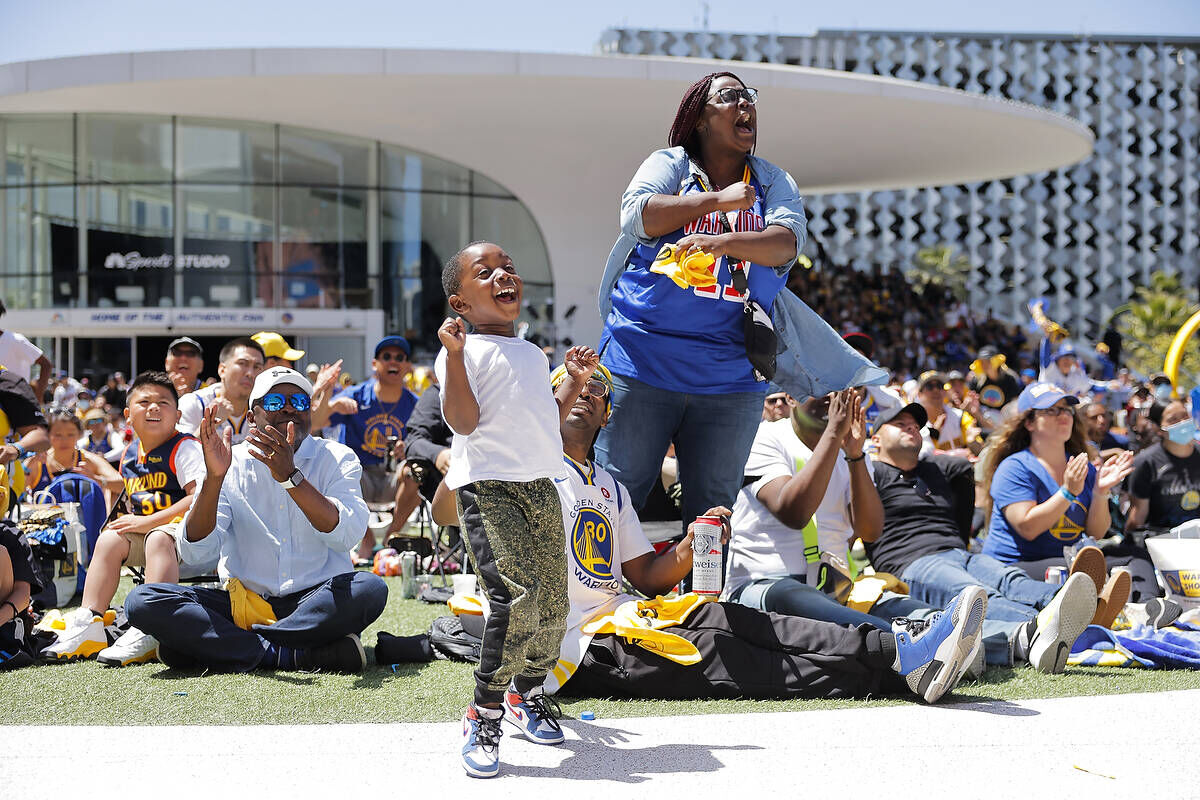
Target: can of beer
[706,556]
[1056,575]
[408,574]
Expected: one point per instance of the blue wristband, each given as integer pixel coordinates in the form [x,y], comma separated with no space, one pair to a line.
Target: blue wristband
[1071,498]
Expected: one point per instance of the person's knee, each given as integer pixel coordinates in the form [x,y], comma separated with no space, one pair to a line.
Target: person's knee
[371,592]
[110,544]
[160,544]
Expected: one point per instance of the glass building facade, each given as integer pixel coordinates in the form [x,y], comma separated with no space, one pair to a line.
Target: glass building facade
[121,211]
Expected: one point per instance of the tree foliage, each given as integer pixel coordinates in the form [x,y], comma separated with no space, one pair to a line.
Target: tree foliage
[1150,321]
[941,266]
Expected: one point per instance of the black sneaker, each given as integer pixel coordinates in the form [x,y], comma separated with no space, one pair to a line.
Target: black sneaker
[345,655]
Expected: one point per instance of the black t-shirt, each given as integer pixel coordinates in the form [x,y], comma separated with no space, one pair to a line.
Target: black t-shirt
[1172,485]
[17,401]
[114,396]
[925,511]
[20,554]
[996,393]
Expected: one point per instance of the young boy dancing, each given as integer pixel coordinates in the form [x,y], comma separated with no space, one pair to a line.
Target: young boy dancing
[505,454]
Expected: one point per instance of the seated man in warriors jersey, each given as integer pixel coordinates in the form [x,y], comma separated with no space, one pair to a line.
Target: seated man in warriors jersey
[732,650]
[161,469]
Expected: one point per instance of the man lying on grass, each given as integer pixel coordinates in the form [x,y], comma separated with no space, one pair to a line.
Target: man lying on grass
[716,649]
[282,510]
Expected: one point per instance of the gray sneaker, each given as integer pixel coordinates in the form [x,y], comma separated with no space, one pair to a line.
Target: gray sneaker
[1059,624]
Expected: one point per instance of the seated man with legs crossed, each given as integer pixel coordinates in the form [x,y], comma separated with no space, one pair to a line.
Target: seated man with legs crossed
[717,649]
[162,469]
[282,510]
[927,508]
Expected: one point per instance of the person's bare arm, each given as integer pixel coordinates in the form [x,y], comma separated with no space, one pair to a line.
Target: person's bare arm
[1139,511]
[580,363]
[459,404]
[664,213]
[654,574]
[772,247]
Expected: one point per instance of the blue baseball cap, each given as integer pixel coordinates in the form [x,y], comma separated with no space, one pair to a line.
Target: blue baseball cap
[1043,395]
[1028,373]
[393,341]
[1065,350]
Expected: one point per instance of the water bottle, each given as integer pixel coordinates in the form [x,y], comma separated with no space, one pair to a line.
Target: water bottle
[408,574]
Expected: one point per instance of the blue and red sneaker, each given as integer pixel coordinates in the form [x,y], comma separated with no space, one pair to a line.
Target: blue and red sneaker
[933,654]
[536,714]
[481,744]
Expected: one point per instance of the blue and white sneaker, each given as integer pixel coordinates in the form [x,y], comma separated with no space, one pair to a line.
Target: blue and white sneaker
[481,744]
[535,714]
[933,654]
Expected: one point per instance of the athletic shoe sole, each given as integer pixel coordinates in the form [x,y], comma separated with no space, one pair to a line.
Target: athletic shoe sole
[953,656]
[1060,623]
[144,658]
[85,650]
[1090,561]
[1162,612]
[1112,599]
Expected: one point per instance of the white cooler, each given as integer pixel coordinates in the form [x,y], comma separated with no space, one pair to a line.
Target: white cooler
[1176,556]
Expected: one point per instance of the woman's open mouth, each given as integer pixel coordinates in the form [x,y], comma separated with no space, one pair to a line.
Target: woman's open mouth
[744,124]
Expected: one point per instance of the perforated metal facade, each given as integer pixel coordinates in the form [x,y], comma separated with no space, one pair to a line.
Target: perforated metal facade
[1084,236]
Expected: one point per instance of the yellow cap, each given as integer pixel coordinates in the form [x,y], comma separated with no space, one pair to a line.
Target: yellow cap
[275,346]
[601,374]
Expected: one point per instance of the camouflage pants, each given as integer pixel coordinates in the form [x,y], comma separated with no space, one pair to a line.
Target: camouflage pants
[515,535]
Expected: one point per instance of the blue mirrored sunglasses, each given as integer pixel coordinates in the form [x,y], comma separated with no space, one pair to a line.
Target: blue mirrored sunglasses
[273,401]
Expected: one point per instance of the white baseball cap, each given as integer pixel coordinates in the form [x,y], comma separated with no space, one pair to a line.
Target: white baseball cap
[271,377]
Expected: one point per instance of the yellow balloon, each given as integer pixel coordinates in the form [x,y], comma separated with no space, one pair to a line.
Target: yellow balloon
[1175,351]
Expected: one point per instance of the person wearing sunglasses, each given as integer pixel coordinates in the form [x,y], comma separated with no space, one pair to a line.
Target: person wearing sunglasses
[374,427]
[776,406]
[678,352]
[281,511]
[1044,495]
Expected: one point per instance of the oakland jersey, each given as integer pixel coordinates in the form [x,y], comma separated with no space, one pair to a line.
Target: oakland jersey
[688,340]
[155,481]
[602,532]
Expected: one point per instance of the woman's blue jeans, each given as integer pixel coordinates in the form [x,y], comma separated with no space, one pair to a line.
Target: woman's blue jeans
[712,435]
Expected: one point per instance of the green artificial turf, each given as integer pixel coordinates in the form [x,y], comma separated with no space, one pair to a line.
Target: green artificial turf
[85,693]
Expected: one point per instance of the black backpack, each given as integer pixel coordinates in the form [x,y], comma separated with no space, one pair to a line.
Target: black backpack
[450,640]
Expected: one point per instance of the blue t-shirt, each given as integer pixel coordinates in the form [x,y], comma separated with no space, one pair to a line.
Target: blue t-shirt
[687,340]
[1022,477]
[367,432]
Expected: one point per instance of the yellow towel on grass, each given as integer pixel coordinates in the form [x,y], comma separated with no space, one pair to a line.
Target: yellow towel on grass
[249,608]
[642,622]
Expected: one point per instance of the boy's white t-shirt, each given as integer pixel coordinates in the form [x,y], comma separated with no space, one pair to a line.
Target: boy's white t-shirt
[517,437]
[762,546]
[18,354]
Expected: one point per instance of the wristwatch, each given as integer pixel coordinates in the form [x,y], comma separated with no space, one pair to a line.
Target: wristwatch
[293,480]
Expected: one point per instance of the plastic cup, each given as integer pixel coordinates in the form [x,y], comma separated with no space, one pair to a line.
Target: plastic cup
[463,584]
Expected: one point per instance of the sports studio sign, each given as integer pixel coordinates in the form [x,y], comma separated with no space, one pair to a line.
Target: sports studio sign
[136,261]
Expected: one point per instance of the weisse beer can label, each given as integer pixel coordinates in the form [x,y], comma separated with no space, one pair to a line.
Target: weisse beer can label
[706,556]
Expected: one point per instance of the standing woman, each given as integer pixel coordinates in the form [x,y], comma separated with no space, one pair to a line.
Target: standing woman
[1044,492]
[677,353]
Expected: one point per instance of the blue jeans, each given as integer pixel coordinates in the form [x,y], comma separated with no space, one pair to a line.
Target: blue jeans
[1012,595]
[791,596]
[712,435]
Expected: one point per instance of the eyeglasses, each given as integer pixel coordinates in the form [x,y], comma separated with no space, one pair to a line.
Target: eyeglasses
[274,401]
[730,95]
[595,388]
[390,357]
[1056,411]
[776,400]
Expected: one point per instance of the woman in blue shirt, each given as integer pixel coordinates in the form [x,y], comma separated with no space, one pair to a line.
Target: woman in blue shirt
[677,354]
[1044,492]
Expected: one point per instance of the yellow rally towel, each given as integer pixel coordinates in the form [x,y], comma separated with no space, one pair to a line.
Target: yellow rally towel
[249,608]
[465,604]
[694,270]
[641,622]
[869,588]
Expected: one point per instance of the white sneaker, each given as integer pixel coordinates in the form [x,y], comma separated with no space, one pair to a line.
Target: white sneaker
[1060,623]
[80,639]
[134,647]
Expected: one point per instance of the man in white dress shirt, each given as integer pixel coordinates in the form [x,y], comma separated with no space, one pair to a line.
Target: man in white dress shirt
[282,510]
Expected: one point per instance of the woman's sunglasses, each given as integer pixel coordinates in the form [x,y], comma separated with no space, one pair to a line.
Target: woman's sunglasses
[274,401]
[730,95]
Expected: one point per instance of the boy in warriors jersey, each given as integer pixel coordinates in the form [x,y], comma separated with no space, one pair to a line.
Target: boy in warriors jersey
[162,469]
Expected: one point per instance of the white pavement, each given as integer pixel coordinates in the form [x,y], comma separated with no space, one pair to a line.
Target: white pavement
[1137,745]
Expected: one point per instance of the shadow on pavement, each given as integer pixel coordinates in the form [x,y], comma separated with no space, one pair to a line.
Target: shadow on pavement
[593,756]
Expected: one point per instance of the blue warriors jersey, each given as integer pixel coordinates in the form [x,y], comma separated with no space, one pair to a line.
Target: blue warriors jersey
[151,479]
[687,340]
[367,432]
